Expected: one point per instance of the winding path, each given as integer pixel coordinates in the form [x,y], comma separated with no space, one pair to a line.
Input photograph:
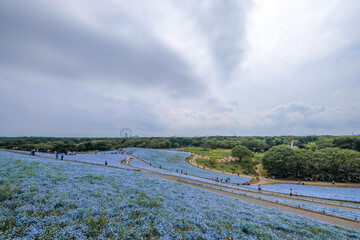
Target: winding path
[332,219]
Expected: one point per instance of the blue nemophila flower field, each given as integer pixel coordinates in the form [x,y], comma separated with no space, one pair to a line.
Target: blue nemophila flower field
[347,194]
[140,164]
[354,215]
[113,158]
[44,198]
[174,160]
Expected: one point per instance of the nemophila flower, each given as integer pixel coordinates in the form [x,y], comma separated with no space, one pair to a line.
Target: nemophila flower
[110,156]
[175,160]
[347,194]
[108,203]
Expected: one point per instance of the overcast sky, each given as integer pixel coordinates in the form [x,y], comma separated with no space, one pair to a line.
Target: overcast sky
[184,68]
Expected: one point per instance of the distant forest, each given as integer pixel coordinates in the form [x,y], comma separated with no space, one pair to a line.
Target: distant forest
[255,144]
[324,158]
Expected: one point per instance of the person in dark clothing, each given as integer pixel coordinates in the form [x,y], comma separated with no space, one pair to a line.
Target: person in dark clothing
[105,162]
[62,156]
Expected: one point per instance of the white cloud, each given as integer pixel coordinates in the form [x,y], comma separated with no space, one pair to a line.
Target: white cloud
[283,35]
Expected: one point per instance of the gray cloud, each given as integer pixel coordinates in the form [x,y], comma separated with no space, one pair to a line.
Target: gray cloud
[302,119]
[36,37]
[223,23]
[82,68]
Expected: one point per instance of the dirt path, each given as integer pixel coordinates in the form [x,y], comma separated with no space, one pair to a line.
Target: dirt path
[67,160]
[302,199]
[257,170]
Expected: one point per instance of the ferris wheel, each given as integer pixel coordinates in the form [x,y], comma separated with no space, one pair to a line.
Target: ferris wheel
[125,133]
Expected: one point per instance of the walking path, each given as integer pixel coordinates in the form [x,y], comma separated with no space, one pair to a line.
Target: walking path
[305,199]
[221,190]
[67,160]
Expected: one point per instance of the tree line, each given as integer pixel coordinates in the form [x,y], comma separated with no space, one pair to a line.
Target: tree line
[255,143]
[322,157]
[329,163]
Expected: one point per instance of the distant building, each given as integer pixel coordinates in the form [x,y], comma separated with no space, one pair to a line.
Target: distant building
[292,145]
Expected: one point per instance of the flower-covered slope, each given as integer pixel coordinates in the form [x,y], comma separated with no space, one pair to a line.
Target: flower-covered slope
[174,160]
[347,194]
[44,198]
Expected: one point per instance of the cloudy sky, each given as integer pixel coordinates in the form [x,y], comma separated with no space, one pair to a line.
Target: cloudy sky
[184,68]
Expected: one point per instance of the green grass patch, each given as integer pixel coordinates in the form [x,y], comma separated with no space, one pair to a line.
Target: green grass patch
[216,154]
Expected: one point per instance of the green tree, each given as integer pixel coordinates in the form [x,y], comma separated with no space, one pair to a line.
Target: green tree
[325,162]
[240,152]
[247,163]
[349,164]
[280,159]
[303,162]
[324,142]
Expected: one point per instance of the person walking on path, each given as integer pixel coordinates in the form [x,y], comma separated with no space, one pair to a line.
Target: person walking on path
[106,163]
[62,156]
[290,192]
[57,156]
[259,187]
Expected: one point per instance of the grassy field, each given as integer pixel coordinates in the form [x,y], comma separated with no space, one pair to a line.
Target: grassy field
[216,154]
